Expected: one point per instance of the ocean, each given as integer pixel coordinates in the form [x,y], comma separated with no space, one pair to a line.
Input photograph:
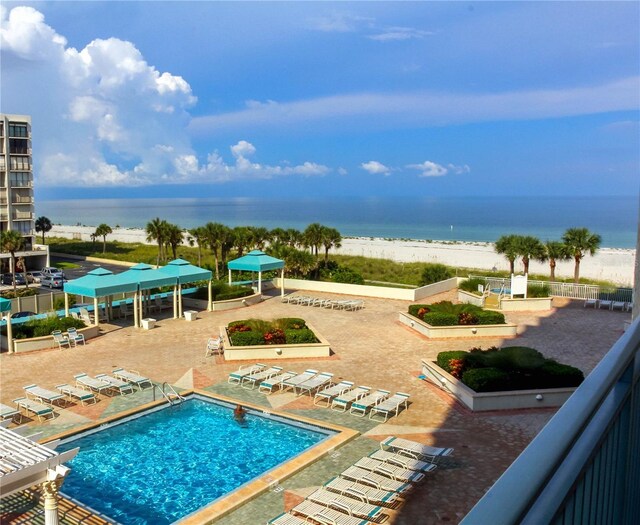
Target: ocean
[468,219]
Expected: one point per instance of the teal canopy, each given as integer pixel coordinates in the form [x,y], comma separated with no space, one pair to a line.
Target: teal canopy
[5,304]
[99,283]
[146,277]
[256,261]
[185,272]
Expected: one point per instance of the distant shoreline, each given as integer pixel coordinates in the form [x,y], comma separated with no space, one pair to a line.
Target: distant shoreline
[609,264]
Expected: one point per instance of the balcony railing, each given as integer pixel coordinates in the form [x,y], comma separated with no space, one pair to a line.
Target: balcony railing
[584,466]
[16,199]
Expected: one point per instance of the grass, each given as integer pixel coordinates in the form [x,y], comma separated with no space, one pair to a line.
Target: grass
[64,265]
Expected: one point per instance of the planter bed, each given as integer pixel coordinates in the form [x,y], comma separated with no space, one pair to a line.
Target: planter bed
[218,306]
[444,332]
[507,400]
[41,343]
[510,305]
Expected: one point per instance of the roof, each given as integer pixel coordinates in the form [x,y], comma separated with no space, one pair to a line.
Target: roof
[185,272]
[99,283]
[256,261]
[146,277]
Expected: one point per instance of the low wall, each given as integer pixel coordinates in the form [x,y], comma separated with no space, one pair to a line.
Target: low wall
[470,298]
[510,305]
[92,259]
[508,400]
[41,343]
[445,332]
[218,306]
[244,353]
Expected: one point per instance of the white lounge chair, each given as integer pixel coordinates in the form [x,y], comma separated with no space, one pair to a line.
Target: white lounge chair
[362,492]
[132,376]
[80,394]
[296,380]
[390,406]
[415,450]
[342,402]
[43,395]
[235,378]
[93,384]
[359,407]
[214,346]
[605,303]
[60,340]
[7,412]
[274,383]
[618,305]
[402,461]
[123,309]
[252,380]
[122,387]
[325,515]
[391,471]
[350,506]
[75,337]
[311,385]
[378,481]
[287,519]
[590,303]
[333,390]
[37,409]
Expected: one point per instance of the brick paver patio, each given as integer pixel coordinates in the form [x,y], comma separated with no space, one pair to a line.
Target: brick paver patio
[371,348]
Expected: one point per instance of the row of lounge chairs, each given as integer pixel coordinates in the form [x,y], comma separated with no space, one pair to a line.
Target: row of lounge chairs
[40,402]
[305,300]
[623,306]
[363,492]
[340,396]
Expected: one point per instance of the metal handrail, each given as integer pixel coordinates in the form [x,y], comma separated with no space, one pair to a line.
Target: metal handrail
[172,396]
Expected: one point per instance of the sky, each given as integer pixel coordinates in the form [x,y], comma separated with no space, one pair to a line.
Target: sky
[273,99]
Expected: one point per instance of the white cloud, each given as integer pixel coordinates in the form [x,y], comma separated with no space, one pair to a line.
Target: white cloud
[342,171]
[375,168]
[340,22]
[243,149]
[399,33]
[433,169]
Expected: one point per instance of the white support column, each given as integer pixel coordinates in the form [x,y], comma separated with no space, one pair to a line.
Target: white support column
[9,333]
[282,282]
[175,301]
[229,276]
[136,323]
[260,281]
[66,304]
[141,306]
[210,305]
[96,312]
[179,300]
[50,489]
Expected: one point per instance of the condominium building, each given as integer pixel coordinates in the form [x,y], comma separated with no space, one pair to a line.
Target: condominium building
[16,190]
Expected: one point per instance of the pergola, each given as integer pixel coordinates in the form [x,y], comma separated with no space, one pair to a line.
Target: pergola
[183,272]
[257,261]
[5,307]
[25,463]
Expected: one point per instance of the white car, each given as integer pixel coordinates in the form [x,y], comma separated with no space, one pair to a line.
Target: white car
[50,270]
[52,281]
[34,277]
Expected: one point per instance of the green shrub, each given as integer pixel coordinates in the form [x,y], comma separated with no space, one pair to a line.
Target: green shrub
[290,323]
[538,290]
[440,319]
[296,337]
[346,275]
[434,273]
[486,379]
[221,291]
[467,318]
[19,292]
[471,285]
[43,327]
[275,337]
[489,317]
[559,375]
[415,308]
[246,338]
[444,358]
[58,304]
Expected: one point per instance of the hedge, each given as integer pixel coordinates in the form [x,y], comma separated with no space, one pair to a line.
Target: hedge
[440,319]
[485,379]
[445,313]
[247,339]
[296,337]
[43,327]
[444,358]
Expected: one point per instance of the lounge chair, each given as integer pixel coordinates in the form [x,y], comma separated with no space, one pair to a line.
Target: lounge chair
[415,450]
[628,306]
[160,303]
[80,394]
[333,390]
[287,519]
[296,380]
[590,302]
[235,378]
[390,406]
[325,515]
[93,384]
[360,406]
[362,492]
[342,402]
[350,506]
[75,337]
[366,477]
[214,346]
[60,340]
[275,382]
[313,384]
[605,303]
[618,305]
[85,316]
[43,395]
[122,387]
[402,461]
[252,380]
[391,471]
[133,377]
[7,412]
[37,409]
[124,310]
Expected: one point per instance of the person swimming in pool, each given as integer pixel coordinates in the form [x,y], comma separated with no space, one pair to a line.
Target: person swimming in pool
[238,413]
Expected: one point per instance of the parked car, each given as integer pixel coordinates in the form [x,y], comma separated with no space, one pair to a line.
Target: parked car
[18,315]
[8,278]
[34,277]
[52,281]
[51,270]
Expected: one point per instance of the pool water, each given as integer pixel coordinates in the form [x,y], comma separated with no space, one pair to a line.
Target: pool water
[162,466]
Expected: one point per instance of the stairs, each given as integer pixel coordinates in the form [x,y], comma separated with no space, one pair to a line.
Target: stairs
[492,300]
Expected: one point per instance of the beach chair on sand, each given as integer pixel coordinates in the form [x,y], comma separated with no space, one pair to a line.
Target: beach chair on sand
[390,407]
[37,409]
[322,514]
[43,395]
[360,406]
[274,383]
[296,380]
[366,477]
[235,378]
[311,385]
[133,377]
[341,403]
[99,387]
[77,394]
[402,461]
[252,380]
[121,387]
[414,449]
[332,390]
[350,506]
[389,470]
[362,492]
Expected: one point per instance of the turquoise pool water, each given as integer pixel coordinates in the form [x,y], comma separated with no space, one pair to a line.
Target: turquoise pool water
[160,467]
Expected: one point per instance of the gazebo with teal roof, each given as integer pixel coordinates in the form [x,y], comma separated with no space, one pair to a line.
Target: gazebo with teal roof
[183,272]
[257,261]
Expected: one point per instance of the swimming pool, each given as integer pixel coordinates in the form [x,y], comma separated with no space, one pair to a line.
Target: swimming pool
[166,464]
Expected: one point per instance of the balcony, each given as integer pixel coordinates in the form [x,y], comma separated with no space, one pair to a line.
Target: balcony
[22,215]
[18,199]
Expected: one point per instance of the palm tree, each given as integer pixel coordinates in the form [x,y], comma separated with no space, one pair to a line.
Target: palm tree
[292,237]
[579,242]
[261,236]
[156,230]
[22,265]
[312,236]
[173,238]
[11,241]
[507,245]
[530,248]
[198,238]
[43,224]
[214,233]
[556,251]
[226,243]
[102,231]
[331,238]
[242,238]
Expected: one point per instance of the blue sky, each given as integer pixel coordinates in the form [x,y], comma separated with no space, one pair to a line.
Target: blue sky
[319,98]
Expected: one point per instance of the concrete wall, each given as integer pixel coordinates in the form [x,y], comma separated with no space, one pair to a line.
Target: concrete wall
[446,332]
[218,306]
[510,305]
[41,343]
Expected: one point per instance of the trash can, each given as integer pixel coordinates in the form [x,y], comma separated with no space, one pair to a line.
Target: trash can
[190,315]
[148,323]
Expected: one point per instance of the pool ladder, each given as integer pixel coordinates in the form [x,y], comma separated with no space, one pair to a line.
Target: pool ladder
[169,393]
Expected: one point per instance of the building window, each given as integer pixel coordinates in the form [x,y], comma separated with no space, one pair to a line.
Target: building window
[20,163]
[19,179]
[20,146]
[18,130]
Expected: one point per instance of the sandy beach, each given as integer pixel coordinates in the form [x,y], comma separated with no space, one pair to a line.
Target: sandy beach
[611,264]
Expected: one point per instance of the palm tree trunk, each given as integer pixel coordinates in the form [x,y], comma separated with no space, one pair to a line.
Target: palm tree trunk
[576,273]
[215,258]
[525,264]
[199,255]
[326,254]
[104,244]
[552,266]
[512,265]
